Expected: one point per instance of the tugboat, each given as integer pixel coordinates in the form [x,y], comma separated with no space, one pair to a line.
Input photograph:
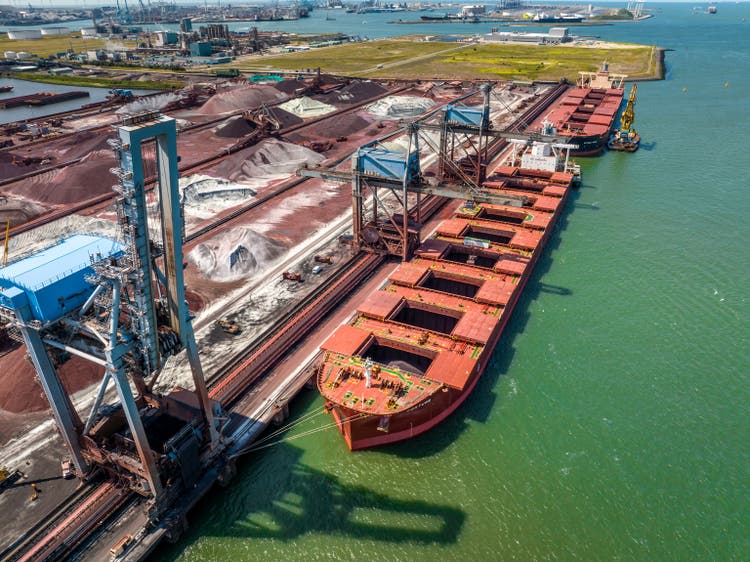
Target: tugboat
[625,138]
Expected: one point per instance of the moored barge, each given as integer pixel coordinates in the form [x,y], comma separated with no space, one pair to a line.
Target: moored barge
[416,348]
[42,98]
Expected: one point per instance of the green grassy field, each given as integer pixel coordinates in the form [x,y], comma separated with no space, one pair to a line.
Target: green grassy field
[53,44]
[406,58]
[349,59]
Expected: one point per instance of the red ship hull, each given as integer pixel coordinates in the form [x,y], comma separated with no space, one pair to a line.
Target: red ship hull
[366,431]
[588,116]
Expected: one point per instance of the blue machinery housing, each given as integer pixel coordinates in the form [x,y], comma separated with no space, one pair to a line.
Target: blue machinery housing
[390,164]
[53,282]
[464,115]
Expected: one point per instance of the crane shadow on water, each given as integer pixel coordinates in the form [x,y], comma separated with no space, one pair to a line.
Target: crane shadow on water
[314,501]
[276,496]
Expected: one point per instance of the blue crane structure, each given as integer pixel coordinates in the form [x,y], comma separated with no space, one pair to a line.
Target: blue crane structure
[463,151]
[121,304]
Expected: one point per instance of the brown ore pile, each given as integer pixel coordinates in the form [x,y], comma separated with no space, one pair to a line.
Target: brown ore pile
[242,97]
[21,393]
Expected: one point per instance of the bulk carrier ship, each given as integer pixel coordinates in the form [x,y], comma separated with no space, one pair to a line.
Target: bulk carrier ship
[587,112]
[416,348]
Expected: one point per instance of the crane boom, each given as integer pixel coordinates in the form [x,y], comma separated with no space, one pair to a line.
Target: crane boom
[628,115]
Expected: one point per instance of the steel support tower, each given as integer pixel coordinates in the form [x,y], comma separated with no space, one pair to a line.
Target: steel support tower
[130,315]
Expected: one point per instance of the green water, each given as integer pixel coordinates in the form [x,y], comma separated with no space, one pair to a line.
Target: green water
[612,423]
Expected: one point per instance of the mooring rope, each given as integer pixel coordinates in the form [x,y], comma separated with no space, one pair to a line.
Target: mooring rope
[290,425]
[257,447]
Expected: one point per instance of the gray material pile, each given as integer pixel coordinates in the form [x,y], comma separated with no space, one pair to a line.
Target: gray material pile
[242,97]
[270,159]
[234,127]
[235,253]
[396,107]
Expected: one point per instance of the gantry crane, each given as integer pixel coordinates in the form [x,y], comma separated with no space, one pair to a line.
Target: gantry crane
[462,153]
[120,304]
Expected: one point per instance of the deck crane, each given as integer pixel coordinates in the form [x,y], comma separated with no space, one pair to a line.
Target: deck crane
[625,138]
[628,116]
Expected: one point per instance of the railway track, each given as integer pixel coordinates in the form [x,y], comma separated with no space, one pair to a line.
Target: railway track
[36,537]
[76,527]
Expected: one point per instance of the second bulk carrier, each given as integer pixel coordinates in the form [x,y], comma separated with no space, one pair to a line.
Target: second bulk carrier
[586,113]
[416,348]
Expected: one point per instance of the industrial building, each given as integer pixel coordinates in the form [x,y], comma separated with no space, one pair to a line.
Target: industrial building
[23,34]
[555,36]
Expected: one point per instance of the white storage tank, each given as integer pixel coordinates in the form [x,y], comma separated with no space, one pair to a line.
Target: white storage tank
[25,34]
[11,55]
[59,30]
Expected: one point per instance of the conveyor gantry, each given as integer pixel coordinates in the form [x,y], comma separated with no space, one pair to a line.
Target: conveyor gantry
[375,168]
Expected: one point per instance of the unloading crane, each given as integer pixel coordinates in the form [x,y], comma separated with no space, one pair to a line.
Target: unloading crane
[625,138]
[120,304]
[628,115]
[462,150]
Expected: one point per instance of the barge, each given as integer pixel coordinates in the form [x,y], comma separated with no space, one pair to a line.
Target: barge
[42,98]
[417,348]
[625,138]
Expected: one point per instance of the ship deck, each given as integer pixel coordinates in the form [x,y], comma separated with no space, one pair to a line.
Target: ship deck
[429,328]
[583,111]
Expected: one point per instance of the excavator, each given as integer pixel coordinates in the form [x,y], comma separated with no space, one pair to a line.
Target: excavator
[625,138]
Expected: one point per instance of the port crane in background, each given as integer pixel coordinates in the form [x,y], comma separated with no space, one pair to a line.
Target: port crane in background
[626,138]
[463,151]
[123,16]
